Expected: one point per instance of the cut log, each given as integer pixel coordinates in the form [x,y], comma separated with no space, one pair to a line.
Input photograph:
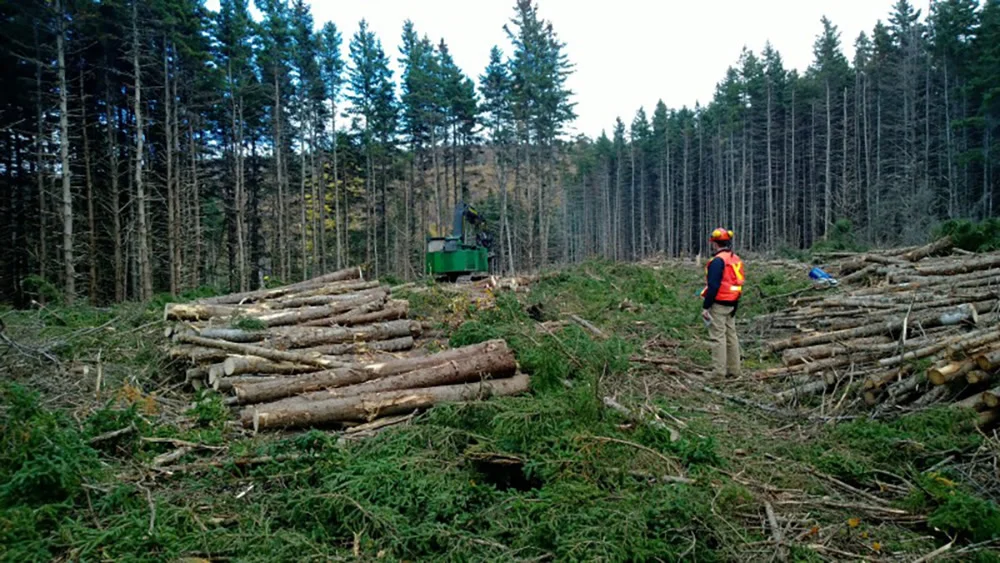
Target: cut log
[961,266]
[989,361]
[976,339]
[974,402]
[988,418]
[863,273]
[390,313]
[853,347]
[196,373]
[366,314]
[991,398]
[241,365]
[270,354]
[937,247]
[493,364]
[225,384]
[951,371]
[284,337]
[965,313]
[286,317]
[231,334]
[250,296]
[205,311]
[978,377]
[815,387]
[391,345]
[306,337]
[935,395]
[365,408]
[271,390]
[325,295]
[204,355]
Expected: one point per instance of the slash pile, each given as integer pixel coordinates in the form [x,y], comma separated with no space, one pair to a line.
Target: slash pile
[905,328]
[301,355]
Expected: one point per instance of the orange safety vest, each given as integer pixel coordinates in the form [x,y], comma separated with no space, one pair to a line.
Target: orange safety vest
[732,277]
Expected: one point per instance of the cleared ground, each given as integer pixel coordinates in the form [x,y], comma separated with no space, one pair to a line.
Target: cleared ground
[701,470]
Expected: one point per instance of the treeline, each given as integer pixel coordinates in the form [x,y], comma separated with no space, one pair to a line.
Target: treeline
[153,146]
[158,146]
[884,146]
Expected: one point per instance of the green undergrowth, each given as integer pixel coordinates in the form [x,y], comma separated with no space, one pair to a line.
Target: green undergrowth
[549,475]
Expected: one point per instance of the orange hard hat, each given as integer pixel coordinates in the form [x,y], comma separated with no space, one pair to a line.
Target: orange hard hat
[721,235]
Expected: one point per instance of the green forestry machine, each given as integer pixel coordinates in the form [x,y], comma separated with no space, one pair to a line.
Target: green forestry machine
[451,258]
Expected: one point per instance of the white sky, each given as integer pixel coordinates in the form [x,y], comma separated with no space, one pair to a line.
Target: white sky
[628,53]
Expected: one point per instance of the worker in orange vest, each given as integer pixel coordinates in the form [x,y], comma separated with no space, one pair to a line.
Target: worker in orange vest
[724,278]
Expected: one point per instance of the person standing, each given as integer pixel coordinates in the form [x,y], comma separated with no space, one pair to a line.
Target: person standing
[724,278]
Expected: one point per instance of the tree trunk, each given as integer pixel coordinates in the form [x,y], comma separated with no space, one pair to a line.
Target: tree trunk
[172,211]
[116,211]
[196,263]
[770,183]
[282,243]
[338,222]
[43,254]
[828,190]
[91,223]
[65,171]
[145,262]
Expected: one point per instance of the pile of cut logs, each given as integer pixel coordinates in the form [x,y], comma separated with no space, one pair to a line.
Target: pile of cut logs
[326,350]
[906,328]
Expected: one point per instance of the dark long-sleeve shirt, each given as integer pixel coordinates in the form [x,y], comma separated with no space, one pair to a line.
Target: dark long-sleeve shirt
[716,268]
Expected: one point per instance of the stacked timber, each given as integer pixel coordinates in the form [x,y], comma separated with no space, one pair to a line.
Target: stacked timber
[364,392]
[911,327]
[327,350]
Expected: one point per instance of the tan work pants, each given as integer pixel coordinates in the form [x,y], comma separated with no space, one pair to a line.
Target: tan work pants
[725,345]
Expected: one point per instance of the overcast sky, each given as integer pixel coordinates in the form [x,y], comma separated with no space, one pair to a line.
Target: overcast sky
[628,53]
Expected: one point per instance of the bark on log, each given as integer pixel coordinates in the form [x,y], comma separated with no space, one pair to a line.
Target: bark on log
[196,373]
[204,355]
[493,364]
[286,317]
[205,311]
[365,408]
[325,295]
[937,247]
[391,345]
[270,391]
[366,314]
[926,351]
[974,402]
[241,365]
[965,313]
[308,337]
[935,395]
[809,353]
[225,384]
[342,275]
[989,338]
[276,355]
[812,388]
[961,266]
[230,334]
